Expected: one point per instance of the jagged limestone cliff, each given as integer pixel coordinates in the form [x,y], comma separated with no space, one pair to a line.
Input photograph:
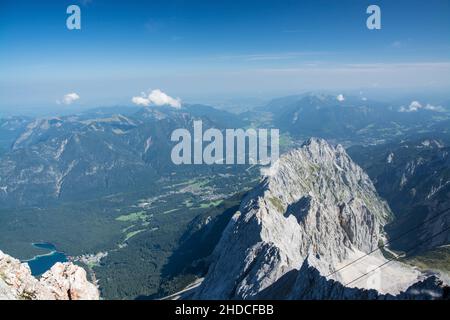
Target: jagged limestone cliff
[64,281]
[308,284]
[315,201]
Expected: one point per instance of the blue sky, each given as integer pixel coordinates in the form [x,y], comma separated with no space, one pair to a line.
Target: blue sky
[198,49]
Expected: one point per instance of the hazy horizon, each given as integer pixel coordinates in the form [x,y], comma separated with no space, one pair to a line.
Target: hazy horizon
[226,50]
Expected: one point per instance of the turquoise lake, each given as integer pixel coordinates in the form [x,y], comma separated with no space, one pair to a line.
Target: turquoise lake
[43,262]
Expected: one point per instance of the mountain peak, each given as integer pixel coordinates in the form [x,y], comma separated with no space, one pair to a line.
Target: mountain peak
[317,202]
[321,144]
[316,141]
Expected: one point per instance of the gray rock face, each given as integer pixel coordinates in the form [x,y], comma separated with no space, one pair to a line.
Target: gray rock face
[315,201]
[413,177]
[64,281]
[308,284]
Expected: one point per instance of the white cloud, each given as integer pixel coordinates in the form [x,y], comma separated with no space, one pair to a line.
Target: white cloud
[434,108]
[413,107]
[141,101]
[416,106]
[340,98]
[68,99]
[156,98]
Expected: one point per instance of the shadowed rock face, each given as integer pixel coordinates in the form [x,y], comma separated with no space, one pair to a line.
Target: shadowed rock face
[414,177]
[315,201]
[308,284]
[64,281]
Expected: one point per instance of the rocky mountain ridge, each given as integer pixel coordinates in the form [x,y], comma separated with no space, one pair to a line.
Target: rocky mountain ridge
[414,178]
[78,157]
[64,281]
[314,202]
[308,284]
[348,119]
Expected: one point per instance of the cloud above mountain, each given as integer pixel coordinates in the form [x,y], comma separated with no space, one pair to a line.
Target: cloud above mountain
[157,98]
[416,106]
[68,98]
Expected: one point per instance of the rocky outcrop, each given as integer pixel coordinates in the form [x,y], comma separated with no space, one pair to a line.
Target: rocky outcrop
[412,175]
[308,284]
[314,201]
[64,281]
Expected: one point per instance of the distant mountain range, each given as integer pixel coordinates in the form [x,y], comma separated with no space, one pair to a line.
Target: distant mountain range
[346,118]
[78,157]
[318,208]
[10,129]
